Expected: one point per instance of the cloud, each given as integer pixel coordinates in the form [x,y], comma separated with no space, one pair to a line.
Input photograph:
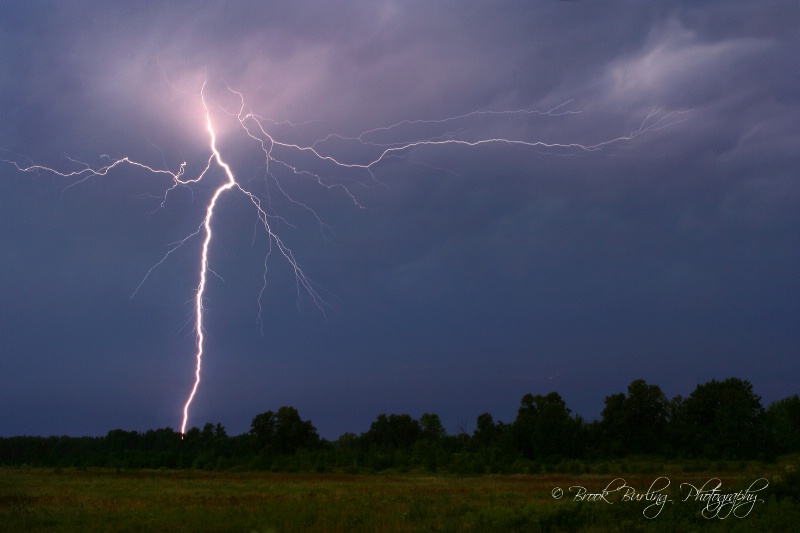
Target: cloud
[679,70]
[678,246]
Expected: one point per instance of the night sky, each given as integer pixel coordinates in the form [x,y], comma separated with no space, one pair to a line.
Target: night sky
[461,278]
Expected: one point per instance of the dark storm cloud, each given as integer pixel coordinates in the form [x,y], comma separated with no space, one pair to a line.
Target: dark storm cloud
[472,276]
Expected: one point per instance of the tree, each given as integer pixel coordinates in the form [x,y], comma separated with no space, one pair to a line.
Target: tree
[722,418]
[544,428]
[120,440]
[393,431]
[783,418]
[292,433]
[431,428]
[284,432]
[646,409]
[486,431]
[263,428]
[613,424]
[635,423]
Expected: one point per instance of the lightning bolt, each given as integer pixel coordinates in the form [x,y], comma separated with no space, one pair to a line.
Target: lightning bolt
[201,287]
[254,127]
[207,228]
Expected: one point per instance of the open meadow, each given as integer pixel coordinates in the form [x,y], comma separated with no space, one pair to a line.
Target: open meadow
[40,499]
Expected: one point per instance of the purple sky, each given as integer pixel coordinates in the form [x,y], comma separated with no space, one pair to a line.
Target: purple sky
[468,277]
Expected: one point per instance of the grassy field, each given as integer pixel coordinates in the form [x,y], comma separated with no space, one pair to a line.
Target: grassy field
[106,500]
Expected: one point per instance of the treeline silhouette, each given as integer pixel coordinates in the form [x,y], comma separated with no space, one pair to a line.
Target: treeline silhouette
[719,420]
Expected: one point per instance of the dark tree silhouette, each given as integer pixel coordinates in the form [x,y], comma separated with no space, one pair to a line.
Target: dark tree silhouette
[635,423]
[718,419]
[284,432]
[393,431]
[544,428]
[722,418]
[783,418]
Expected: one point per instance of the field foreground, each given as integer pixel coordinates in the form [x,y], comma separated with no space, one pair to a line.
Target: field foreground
[34,499]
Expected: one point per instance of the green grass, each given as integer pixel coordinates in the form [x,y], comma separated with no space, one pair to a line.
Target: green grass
[105,500]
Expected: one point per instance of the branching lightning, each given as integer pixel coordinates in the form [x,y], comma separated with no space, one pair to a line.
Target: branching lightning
[254,126]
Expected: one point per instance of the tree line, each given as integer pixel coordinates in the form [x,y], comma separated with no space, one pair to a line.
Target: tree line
[721,420]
